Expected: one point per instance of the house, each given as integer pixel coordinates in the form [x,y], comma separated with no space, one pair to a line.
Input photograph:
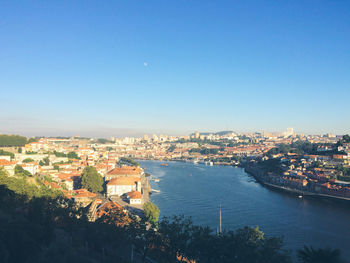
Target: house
[109,208]
[8,166]
[83,196]
[135,198]
[32,167]
[122,185]
[125,171]
[67,180]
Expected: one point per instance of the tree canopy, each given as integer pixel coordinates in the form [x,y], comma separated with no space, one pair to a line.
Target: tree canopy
[49,228]
[72,155]
[91,179]
[6,153]
[19,171]
[12,140]
[151,212]
[28,160]
[128,161]
[321,255]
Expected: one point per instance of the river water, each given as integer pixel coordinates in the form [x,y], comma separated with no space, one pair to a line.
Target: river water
[197,190]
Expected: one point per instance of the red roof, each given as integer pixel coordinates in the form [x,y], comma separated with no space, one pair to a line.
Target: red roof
[135,195]
[84,193]
[126,170]
[124,181]
[6,162]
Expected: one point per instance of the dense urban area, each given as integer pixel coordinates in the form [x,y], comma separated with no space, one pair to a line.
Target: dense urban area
[102,188]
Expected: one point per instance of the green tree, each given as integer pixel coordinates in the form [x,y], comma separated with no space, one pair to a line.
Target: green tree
[176,236]
[21,172]
[59,154]
[91,179]
[151,212]
[19,150]
[5,153]
[72,155]
[46,161]
[322,255]
[12,140]
[128,161]
[28,160]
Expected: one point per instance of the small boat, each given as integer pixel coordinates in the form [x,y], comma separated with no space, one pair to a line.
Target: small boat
[156,191]
[300,196]
[211,163]
[190,174]
[163,164]
[156,180]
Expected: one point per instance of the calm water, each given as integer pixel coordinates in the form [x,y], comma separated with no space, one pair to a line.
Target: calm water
[197,191]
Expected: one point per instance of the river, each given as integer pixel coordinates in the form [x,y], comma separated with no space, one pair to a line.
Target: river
[197,190]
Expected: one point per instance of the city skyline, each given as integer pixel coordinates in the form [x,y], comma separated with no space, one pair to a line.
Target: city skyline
[129,68]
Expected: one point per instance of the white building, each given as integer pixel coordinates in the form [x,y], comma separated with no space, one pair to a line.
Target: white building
[135,198]
[122,185]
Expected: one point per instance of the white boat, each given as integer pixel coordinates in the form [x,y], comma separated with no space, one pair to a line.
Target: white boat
[211,163]
[300,196]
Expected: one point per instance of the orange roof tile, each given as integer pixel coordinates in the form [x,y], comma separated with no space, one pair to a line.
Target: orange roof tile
[125,170]
[135,195]
[124,181]
[6,162]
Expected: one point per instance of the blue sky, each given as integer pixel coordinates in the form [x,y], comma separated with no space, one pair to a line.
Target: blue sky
[103,68]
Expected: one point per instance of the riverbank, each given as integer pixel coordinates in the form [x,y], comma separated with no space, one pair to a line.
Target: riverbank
[258,175]
[234,164]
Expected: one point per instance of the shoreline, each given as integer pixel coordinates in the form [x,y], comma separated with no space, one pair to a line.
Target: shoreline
[253,173]
[295,191]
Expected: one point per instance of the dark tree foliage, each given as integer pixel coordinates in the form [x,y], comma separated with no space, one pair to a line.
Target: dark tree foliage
[128,161]
[54,230]
[271,165]
[103,141]
[59,154]
[321,255]
[28,160]
[49,228]
[5,153]
[33,139]
[171,148]
[345,139]
[300,147]
[19,171]
[73,155]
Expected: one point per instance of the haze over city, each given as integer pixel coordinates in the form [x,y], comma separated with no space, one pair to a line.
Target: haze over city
[128,68]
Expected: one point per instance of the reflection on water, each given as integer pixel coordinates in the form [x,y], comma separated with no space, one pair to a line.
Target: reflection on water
[197,190]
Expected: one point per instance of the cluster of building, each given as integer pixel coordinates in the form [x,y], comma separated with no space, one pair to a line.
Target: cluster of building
[59,162]
[310,174]
[49,159]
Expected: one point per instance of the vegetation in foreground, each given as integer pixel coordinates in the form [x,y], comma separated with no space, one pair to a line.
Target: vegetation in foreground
[49,228]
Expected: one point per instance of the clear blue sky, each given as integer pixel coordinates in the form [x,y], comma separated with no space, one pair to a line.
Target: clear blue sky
[103,68]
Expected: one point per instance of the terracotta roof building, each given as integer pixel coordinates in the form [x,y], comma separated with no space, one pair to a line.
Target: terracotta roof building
[135,197]
[123,185]
[125,171]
